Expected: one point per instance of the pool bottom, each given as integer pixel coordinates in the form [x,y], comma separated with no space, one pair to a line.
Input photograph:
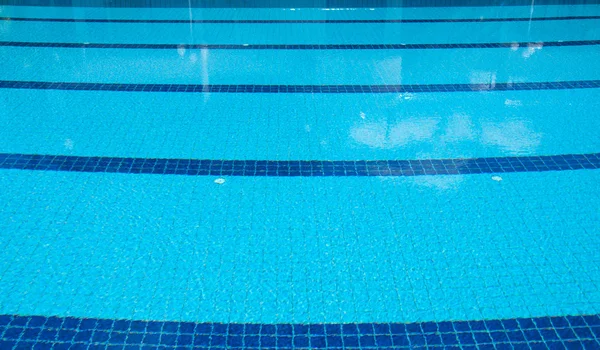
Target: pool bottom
[576,332]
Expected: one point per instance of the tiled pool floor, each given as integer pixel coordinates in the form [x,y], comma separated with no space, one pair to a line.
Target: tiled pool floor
[389,176]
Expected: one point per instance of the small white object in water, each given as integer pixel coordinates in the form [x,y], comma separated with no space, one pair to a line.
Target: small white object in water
[220,181]
[496,178]
[515,103]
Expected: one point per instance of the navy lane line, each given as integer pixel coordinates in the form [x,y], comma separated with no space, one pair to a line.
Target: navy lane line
[324,89]
[308,168]
[44,332]
[303,21]
[303,46]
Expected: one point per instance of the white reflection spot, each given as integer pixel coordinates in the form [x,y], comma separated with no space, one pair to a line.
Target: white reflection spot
[68,144]
[513,136]
[513,103]
[531,49]
[382,135]
[484,80]
[496,178]
[363,115]
[407,96]
[180,50]
[220,181]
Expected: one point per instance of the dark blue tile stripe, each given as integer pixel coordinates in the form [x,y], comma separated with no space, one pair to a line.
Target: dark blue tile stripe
[304,21]
[41,332]
[315,89]
[218,167]
[303,46]
[288,3]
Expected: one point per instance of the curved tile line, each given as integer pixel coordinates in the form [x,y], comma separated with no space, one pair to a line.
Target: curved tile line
[315,89]
[218,167]
[579,331]
[307,21]
[304,46]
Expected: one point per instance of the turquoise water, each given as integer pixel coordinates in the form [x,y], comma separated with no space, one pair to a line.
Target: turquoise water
[319,67]
[302,126]
[388,33]
[299,33]
[300,13]
[302,249]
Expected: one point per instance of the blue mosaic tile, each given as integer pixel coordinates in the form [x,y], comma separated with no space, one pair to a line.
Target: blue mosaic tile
[199,167]
[68,333]
[301,46]
[302,21]
[313,89]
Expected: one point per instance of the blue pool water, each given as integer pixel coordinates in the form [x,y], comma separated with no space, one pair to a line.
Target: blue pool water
[440,191]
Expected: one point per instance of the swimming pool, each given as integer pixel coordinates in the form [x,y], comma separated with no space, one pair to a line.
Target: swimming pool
[308,174]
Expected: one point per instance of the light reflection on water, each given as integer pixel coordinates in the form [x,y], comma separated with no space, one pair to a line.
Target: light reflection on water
[513,136]
[447,183]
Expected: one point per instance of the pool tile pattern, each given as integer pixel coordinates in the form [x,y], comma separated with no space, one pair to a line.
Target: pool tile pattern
[197,167]
[39,332]
[511,45]
[314,89]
